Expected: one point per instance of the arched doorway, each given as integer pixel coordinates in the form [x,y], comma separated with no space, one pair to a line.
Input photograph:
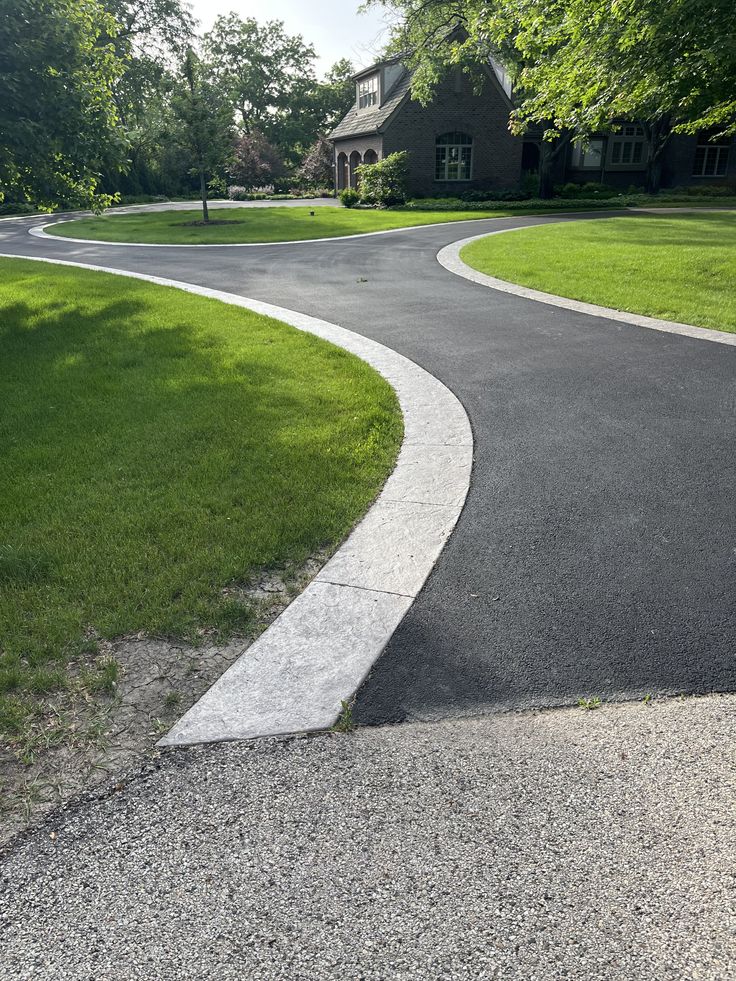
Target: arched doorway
[355,161]
[370,157]
[342,171]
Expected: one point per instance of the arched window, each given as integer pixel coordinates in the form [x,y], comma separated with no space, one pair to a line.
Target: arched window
[453,157]
[370,157]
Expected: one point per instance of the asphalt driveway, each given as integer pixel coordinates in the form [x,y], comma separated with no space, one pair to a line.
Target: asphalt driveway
[597,551]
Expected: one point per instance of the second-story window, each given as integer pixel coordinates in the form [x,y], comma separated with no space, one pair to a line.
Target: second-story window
[368,92]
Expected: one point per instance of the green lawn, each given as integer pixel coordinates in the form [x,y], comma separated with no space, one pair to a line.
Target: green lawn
[158,446]
[679,268]
[252,224]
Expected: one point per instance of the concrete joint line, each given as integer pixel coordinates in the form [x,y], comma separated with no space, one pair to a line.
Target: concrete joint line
[295,676]
[449,258]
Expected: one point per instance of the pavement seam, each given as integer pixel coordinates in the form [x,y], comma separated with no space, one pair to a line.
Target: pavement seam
[295,677]
[449,258]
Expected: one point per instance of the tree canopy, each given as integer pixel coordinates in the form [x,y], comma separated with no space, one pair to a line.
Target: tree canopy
[59,124]
[581,66]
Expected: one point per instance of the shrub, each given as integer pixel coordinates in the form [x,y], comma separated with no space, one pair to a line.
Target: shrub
[236,193]
[476,195]
[317,166]
[349,197]
[217,187]
[385,183]
[711,191]
[255,161]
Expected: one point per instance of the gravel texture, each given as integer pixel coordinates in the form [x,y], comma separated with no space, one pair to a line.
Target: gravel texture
[564,844]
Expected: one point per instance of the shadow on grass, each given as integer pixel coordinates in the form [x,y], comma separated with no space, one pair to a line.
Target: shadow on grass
[154,454]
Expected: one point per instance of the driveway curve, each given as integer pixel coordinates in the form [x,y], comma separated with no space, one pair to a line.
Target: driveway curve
[596,555]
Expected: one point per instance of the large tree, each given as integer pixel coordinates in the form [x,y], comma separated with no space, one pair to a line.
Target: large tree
[59,126]
[333,96]
[581,65]
[263,70]
[152,35]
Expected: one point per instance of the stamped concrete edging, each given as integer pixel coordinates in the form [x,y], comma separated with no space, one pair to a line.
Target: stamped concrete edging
[449,257]
[293,678]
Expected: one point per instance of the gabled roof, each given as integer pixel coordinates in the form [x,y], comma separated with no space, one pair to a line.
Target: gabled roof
[376,65]
[366,122]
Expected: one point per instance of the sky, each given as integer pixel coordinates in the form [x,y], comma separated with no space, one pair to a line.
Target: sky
[334,27]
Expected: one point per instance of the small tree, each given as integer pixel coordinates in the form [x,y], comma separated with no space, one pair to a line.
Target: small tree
[385,182]
[256,162]
[316,168]
[204,123]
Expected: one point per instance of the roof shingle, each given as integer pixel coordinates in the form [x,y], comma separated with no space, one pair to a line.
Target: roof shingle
[363,122]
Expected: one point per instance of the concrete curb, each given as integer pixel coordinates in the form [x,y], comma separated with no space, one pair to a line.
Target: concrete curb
[449,258]
[39,231]
[294,678]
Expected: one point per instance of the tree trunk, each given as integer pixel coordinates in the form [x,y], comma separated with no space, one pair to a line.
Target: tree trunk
[203,192]
[658,133]
[546,188]
[549,153]
[654,174]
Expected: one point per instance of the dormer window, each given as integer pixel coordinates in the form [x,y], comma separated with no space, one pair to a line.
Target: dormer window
[368,92]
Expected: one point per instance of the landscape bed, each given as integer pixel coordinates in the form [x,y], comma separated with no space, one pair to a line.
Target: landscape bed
[160,451]
[675,267]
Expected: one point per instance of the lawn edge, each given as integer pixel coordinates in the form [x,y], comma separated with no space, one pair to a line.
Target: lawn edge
[297,676]
[450,259]
[39,231]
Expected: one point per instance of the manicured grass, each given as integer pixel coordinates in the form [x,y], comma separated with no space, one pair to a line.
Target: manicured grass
[679,268]
[250,224]
[158,447]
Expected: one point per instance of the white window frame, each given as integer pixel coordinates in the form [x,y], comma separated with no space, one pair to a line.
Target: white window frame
[459,147]
[368,92]
[588,156]
[718,150]
[623,145]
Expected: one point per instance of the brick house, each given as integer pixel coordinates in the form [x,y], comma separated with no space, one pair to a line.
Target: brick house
[462,138]
[462,142]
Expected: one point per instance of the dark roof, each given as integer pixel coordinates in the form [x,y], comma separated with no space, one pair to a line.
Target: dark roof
[365,122]
[378,64]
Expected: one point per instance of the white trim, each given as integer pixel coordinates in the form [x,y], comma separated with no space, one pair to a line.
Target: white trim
[318,652]
[39,232]
[449,258]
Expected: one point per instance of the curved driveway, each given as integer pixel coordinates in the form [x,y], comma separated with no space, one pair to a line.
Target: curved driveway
[597,551]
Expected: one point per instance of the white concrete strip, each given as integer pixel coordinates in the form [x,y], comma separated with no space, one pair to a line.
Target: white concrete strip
[317,653]
[39,231]
[450,258]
